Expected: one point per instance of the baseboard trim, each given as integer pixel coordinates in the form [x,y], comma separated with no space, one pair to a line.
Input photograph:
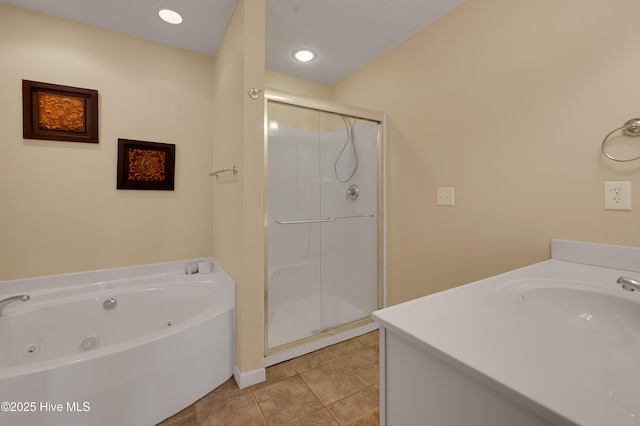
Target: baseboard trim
[249,378]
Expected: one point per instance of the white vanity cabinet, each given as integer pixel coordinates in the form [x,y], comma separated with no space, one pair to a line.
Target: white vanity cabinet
[420,389]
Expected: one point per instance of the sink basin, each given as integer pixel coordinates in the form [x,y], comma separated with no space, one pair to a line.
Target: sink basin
[584,308]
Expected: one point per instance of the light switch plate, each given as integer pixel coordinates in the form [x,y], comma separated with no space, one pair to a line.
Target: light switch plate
[444,197]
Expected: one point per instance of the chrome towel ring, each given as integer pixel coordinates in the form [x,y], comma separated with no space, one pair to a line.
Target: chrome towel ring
[630,128]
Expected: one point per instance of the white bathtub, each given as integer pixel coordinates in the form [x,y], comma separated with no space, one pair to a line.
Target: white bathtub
[66,360]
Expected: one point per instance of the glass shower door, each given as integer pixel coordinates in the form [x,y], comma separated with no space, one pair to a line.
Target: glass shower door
[294,269]
[322,221]
[348,176]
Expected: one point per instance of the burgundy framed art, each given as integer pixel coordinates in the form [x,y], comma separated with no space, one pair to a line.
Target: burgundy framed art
[145,165]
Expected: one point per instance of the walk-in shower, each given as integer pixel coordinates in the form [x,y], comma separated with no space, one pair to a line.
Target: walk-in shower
[324,220]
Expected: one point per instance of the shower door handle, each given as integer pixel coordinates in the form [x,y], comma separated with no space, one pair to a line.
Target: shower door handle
[355,216]
[329,219]
[298,222]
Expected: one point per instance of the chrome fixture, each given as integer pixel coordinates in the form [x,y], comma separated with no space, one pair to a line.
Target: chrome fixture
[353,192]
[254,93]
[298,222]
[349,129]
[629,284]
[234,169]
[630,128]
[110,303]
[328,219]
[5,302]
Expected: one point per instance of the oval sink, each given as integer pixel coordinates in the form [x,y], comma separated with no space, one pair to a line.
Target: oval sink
[582,308]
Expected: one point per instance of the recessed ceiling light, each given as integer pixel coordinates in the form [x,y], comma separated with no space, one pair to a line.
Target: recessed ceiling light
[170,16]
[304,55]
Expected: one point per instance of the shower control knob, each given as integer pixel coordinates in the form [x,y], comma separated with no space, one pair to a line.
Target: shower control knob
[353,192]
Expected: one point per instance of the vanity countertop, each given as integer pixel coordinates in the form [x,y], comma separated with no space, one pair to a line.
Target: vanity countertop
[572,356]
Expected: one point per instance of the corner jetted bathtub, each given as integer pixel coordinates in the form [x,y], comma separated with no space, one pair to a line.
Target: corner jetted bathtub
[127,346]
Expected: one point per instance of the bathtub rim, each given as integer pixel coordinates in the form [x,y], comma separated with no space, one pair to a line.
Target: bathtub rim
[72,279]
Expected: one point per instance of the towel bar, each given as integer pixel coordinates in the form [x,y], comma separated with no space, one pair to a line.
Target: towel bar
[234,169]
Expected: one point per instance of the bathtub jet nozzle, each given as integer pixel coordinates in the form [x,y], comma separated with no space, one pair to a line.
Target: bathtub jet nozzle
[5,302]
[110,303]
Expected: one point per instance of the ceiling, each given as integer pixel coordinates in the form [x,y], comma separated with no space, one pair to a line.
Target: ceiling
[345,34]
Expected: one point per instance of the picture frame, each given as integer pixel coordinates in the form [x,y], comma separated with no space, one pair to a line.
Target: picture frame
[146,165]
[59,113]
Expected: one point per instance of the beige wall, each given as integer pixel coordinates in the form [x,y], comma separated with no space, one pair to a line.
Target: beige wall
[508,102]
[274,80]
[59,209]
[238,220]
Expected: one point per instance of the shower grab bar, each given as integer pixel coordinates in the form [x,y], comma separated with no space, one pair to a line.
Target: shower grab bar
[328,219]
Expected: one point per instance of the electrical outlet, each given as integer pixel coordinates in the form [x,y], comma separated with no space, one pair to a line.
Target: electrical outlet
[444,196]
[617,195]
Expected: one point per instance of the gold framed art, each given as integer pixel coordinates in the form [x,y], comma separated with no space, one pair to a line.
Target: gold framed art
[59,113]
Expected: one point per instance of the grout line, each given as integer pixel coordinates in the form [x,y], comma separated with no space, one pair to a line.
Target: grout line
[264,416]
[332,416]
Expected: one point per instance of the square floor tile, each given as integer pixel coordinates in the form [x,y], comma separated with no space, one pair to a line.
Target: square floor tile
[226,391]
[240,411]
[314,359]
[332,382]
[365,364]
[287,400]
[371,419]
[371,339]
[354,406]
[317,418]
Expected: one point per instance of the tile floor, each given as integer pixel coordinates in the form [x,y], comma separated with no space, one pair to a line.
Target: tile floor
[337,385]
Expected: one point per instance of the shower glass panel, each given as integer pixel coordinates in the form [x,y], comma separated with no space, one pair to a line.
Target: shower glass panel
[322,221]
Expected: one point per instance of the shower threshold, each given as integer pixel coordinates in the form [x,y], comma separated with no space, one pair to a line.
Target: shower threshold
[318,341]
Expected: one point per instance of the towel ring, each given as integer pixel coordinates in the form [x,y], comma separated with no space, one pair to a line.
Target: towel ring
[630,128]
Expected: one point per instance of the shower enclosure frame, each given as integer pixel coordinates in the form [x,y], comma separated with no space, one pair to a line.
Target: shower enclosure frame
[301,101]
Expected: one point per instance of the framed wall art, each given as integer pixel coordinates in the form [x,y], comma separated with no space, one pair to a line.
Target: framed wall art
[59,113]
[145,165]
